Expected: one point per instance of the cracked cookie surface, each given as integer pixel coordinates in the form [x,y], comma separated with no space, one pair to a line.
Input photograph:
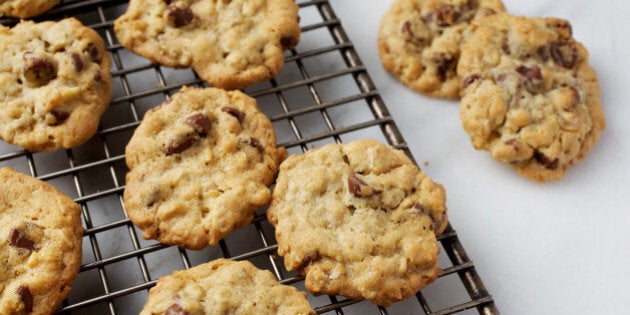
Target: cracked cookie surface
[359,220]
[54,84]
[420,41]
[40,244]
[200,165]
[230,44]
[529,95]
[225,287]
[25,8]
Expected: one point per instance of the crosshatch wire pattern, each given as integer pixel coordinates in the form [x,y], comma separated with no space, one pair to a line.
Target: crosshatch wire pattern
[323,95]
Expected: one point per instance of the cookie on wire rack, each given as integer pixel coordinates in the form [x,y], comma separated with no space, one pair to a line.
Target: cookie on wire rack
[420,40]
[54,84]
[40,244]
[225,286]
[358,220]
[24,9]
[230,44]
[529,95]
[199,166]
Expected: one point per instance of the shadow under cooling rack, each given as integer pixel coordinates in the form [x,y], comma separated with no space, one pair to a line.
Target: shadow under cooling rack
[323,95]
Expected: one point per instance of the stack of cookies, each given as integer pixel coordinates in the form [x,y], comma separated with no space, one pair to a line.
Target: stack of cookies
[528,94]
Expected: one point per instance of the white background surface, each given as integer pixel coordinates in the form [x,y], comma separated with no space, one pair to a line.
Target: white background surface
[556,248]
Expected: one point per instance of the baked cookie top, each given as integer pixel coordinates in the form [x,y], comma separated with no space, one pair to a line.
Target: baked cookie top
[40,244]
[420,40]
[230,44]
[25,8]
[529,95]
[54,84]
[359,220]
[200,165]
[225,287]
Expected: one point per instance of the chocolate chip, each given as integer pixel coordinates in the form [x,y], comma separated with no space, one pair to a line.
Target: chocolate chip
[180,16]
[181,143]
[26,297]
[37,70]
[288,42]
[470,79]
[532,73]
[436,223]
[307,260]
[18,239]
[175,309]
[234,112]
[445,15]
[543,52]
[470,5]
[359,188]
[77,62]
[545,160]
[575,97]
[97,76]
[564,54]
[94,53]
[256,144]
[444,64]
[60,116]
[200,122]
[563,27]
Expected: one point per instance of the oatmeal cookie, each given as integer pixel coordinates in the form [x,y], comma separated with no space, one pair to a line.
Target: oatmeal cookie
[25,8]
[358,220]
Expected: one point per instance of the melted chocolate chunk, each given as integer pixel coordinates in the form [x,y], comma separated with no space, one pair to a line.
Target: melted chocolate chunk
[359,188]
[543,52]
[436,223]
[200,122]
[256,144]
[564,54]
[182,143]
[77,62]
[470,79]
[444,64]
[307,260]
[288,42]
[445,15]
[38,71]
[26,297]
[175,309]
[234,112]
[180,16]
[94,53]
[18,239]
[60,116]
[532,73]
[545,161]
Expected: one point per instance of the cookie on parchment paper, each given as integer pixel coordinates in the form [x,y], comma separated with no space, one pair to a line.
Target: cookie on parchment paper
[225,286]
[420,40]
[230,44]
[25,8]
[529,95]
[200,165]
[54,84]
[358,220]
[40,244]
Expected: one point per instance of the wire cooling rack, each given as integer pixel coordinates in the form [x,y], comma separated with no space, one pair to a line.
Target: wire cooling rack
[323,95]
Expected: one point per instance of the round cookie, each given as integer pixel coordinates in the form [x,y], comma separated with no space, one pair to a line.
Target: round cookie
[359,220]
[40,244]
[419,41]
[225,287]
[529,95]
[25,8]
[200,165]
[230,44]
[54,84]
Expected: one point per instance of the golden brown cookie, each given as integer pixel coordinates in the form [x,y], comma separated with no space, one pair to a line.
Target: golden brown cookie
[529,95]
[40,244]
[230,44]
[358,220]
[199,166]
[225,287]
[25,8]
[420,40]
[54,84]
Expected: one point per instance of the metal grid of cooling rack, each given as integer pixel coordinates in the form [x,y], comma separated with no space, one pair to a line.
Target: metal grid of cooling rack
[323,95]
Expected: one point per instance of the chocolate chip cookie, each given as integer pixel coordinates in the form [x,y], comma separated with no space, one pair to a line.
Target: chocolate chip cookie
[230,44]
[225,287]
[40,244]
[54,84]
[358,220]
[25,8]
[200,165]
[529,95]
[420,40]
